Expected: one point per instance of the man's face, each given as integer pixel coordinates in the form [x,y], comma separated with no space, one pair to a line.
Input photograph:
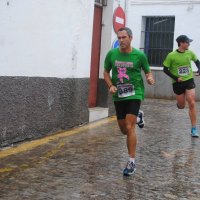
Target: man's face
[124,39]
[185,45]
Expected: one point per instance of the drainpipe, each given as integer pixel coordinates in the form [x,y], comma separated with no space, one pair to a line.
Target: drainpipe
[126,9]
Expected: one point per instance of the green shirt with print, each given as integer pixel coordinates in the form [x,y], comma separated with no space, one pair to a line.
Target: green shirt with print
[126,73]
[179,64]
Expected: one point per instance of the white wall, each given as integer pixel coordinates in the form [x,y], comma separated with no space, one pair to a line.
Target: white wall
[48,38]
[187,17]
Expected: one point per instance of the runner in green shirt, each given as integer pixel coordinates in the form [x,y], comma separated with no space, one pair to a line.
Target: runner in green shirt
[126,73]
[177,65]
[127,88]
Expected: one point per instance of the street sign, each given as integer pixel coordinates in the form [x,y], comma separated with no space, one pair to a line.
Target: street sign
[115,44]
[119,19]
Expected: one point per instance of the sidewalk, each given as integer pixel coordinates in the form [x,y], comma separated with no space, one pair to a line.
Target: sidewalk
[87,162]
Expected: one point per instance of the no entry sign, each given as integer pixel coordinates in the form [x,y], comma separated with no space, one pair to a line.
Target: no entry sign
[119,19]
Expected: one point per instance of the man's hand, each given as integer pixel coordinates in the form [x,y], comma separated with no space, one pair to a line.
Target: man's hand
[179,80]
[198,73]
[150,79]
[112,89]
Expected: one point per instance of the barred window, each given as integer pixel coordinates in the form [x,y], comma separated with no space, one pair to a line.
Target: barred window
[101,2]
[158,38]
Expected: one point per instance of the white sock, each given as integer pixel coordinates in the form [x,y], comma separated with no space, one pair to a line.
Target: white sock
[132,160]
[138,119]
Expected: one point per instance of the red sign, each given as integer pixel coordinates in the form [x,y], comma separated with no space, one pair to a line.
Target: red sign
[119,19]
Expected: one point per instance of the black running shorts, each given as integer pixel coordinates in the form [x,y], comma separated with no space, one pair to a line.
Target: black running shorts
[125,107]
[180,87]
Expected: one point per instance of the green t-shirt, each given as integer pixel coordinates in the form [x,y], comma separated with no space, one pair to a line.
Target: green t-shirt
[179,64]
[126,73]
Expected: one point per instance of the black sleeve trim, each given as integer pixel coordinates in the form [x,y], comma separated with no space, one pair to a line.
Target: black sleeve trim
[166,71]
[197,64]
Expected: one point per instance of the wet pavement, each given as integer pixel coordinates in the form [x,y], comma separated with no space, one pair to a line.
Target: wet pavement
[87,162]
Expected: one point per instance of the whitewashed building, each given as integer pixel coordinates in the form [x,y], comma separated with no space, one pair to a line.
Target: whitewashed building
[44,66]
[156,24]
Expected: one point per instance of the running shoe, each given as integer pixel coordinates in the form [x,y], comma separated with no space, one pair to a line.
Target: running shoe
[130,169]
[194,132]
[141,117]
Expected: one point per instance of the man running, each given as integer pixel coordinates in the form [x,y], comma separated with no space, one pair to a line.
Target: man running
[127,88]
[177,65]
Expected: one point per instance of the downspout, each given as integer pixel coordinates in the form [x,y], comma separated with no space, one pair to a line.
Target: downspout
[126,9]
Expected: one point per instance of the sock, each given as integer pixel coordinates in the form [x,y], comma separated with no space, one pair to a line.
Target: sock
[138,120]
[132,160]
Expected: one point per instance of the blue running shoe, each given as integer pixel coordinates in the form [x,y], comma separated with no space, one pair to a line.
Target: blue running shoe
[130,169]
[194,132]
[141,118]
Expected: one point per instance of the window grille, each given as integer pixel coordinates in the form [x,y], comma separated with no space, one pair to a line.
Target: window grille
[159,37]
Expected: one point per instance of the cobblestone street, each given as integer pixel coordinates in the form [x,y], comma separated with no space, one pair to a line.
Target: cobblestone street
[87,162]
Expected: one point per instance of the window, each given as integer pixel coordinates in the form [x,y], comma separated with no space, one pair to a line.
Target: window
[158,38]
[101,2]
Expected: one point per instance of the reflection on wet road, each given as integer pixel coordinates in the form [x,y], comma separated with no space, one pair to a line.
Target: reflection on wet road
[87,162]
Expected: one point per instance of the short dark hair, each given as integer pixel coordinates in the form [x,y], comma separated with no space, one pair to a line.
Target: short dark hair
[128,30]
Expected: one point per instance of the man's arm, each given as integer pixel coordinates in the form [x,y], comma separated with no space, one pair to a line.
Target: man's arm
[167,62]
[107,78]
[147,70]
[166,71]
[149,78]
[197,62]
[108,81]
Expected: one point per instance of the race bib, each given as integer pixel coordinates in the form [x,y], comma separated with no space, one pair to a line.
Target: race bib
[183,70]
[125,90]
